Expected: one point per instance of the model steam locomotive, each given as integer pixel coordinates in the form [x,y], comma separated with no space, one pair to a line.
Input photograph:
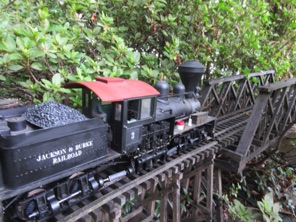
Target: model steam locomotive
[51,156]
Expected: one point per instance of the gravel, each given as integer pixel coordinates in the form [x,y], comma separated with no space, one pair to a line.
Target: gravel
[51,114]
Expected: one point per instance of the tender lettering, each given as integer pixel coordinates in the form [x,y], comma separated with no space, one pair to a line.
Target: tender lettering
[83,145]
[67,157]
[51,155]
[65,154]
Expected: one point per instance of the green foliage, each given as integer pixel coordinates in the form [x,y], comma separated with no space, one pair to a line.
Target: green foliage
[275,177]
[233,190]
[269,209]
[79,39]
[241,213]
[129,204]
[268,173]
[157,208]
[186,199]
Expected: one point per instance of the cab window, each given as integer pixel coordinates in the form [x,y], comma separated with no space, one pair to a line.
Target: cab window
[118,108]
[146,108]
[139,110]
[133,111]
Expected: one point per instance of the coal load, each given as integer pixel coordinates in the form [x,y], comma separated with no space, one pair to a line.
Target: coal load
[50,114]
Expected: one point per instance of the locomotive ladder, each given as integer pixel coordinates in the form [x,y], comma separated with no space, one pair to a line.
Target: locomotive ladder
[191,170]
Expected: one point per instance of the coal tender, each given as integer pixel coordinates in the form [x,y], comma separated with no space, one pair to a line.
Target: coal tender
[53,156]
[35,141]
[40,145]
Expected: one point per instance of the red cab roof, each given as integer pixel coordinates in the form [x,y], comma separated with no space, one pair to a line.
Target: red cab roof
[112,89]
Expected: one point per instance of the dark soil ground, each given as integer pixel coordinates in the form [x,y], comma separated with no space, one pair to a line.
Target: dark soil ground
[271,167]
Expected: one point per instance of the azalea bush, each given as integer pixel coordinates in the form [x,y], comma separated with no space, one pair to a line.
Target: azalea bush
[44,44]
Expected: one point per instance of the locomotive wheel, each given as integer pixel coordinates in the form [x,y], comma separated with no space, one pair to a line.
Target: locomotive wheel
[31,207]
[74,183]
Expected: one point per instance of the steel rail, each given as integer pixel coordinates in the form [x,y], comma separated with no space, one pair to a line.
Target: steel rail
[79,213]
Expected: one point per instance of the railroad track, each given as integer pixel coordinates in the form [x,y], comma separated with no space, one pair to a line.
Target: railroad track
[166,175]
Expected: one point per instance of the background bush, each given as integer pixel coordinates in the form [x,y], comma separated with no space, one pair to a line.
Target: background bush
[44,44]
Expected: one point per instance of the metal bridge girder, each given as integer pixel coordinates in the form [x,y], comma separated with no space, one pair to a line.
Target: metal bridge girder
[252,114]
[274,111]
[226,95]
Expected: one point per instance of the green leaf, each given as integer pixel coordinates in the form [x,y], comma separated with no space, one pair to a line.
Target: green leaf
[154,73]
[10,43]
[24,32]
[52,55]
[106,72]
[205,19]
[65,90]
[62,41]
[138,35]
[165,33]
[133,75]
[47,83]
[46,24]
[3,47]
[79,7]
[15,67]
[40,40]
[20,43]
[45,97]
[2,78]
[35,53]
[68,47]
[57,79]
[137,57]
[15,56]
[72,78]
[37,65]
[183,207]
[25,84]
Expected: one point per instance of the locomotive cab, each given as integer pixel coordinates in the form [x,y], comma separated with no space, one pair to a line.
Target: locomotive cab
[129,117]
[126,105]
[94,107]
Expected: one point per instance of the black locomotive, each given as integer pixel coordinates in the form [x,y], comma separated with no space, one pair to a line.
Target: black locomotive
[52,156]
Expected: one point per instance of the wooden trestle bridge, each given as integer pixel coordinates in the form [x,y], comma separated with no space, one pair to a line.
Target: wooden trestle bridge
[252,114]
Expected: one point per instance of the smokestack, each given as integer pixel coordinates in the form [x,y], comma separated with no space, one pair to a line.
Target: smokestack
[190,73]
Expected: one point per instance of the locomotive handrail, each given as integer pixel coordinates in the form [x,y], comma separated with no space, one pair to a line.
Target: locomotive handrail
[274,111]
[226,95]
